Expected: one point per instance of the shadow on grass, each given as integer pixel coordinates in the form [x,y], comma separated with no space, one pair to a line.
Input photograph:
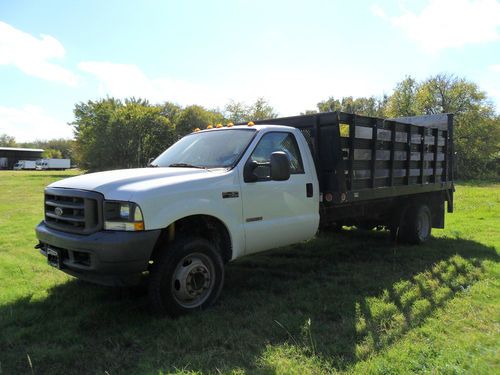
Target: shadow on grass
[339,297]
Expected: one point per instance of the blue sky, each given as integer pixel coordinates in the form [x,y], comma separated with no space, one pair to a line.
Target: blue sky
[54,54]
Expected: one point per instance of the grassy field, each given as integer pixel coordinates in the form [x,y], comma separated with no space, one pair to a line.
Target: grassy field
[344,303]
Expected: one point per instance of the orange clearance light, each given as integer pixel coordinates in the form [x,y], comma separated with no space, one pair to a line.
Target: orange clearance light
[250,123]
[230,125]
[209,126]
[139,225]
[196,130]
[218,126]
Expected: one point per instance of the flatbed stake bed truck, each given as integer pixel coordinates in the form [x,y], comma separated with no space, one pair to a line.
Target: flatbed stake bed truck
[219,194]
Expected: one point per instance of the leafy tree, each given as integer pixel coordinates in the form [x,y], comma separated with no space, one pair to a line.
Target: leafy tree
[370,106]
[111,134]
[7,141]
[403,101]
[92,135]
[477,145]
[195,116]
[171,111]
[445,93]
[330,105]
[261,110]
[240,112]
[139,132]
[51,153]
[236,112]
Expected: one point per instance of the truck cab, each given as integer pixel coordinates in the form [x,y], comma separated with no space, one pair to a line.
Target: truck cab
[233,191]
[25,164]
[41,164]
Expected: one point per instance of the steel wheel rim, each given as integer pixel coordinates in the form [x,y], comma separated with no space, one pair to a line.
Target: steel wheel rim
[193,280]
[423,226]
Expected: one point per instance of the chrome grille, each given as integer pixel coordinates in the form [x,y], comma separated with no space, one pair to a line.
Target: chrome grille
[73,210]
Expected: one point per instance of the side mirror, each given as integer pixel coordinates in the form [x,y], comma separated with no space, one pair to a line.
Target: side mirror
[249,171]
[280,166]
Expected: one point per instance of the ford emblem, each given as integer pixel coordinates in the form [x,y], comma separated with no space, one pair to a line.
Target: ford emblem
[58,211]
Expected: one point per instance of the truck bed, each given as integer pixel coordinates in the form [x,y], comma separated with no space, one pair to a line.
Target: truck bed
[360,158]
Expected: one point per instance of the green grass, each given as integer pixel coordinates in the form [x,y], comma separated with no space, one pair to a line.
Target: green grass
[347,303]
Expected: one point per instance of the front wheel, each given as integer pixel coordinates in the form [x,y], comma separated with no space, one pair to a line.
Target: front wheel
[188,276]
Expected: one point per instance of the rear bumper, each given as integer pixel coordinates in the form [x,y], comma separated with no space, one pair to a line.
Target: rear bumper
[104,257]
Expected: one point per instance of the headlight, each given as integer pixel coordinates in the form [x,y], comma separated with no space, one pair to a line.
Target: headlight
[122,216]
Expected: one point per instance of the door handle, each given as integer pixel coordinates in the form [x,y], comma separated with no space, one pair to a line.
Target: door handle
[309,190]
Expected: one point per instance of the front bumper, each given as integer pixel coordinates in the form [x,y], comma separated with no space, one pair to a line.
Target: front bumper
[104,257]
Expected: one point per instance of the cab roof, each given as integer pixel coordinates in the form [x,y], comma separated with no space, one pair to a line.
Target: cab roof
[244,127]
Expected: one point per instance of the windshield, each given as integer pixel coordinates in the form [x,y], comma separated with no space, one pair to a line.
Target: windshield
[214,149]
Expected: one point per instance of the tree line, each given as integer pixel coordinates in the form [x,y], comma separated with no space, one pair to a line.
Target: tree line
[110,133]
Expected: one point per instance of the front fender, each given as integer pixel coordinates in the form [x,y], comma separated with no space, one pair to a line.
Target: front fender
[227,211]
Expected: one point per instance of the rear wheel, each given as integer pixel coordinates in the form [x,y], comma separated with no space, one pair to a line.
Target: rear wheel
[187,276]
[366,225]
[333,227]
[416,225]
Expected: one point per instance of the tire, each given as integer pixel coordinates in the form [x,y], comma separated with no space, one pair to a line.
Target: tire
[416,225]
[366,226]
[187,276]
[333,228]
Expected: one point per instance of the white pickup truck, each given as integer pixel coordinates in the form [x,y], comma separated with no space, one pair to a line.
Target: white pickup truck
[222,193]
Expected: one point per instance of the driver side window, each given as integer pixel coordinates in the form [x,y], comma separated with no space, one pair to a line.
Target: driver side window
[272,142]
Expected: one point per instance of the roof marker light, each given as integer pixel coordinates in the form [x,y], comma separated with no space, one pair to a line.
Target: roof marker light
[230,125]
[250,123]
[196,130]
[209,126]
[218,126]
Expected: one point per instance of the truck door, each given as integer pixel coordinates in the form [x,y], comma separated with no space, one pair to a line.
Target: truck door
[279,213]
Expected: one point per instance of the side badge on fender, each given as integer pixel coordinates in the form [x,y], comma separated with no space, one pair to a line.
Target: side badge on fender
[230,194]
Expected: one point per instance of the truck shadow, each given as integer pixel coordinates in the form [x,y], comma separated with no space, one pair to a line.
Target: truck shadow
[341,297]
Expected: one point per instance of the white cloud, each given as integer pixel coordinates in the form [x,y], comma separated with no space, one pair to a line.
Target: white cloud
[128,80]
[31,122]
[449,23]
[377,10]
[495,68]
[32,55]
[290,92]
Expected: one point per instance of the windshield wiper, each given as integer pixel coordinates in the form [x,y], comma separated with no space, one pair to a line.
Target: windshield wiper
[185,165]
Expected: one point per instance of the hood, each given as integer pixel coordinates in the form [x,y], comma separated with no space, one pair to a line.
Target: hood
[121,184]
